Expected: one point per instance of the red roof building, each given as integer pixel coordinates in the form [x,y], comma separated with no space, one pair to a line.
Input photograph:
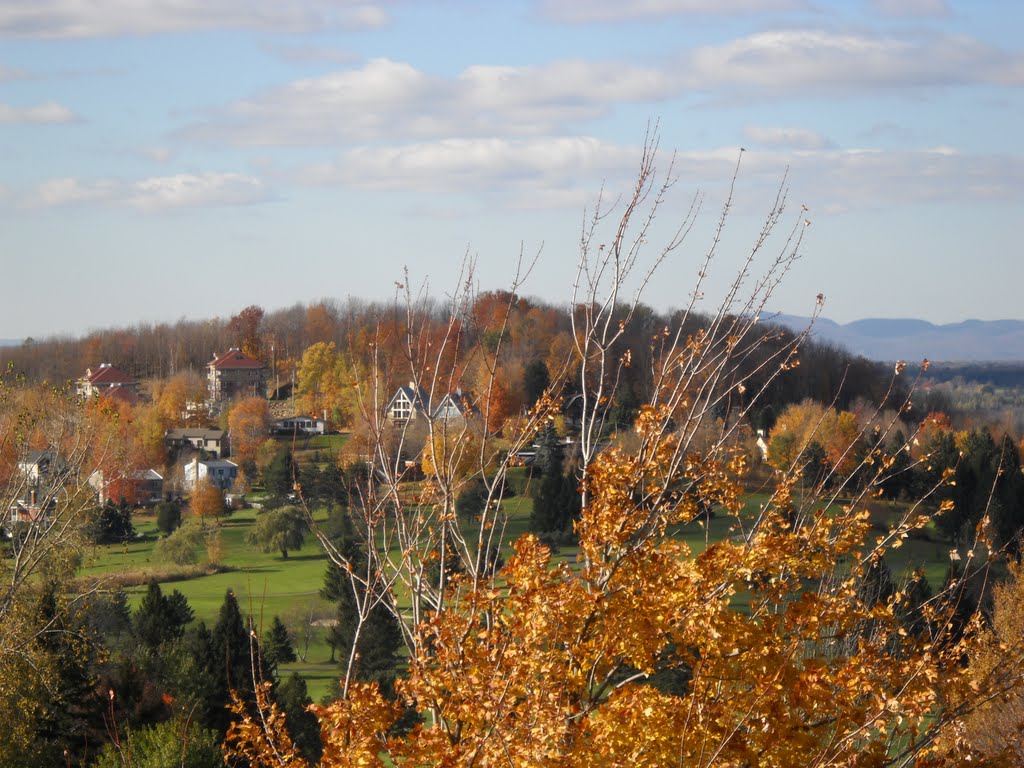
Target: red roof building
[99,380]
[234,374]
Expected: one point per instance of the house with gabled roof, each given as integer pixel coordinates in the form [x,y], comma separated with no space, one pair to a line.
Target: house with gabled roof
[211,441]
[410,403]
[106,379]
[455,409]
[42,468]
[407,404]
[234,374]
[40,476]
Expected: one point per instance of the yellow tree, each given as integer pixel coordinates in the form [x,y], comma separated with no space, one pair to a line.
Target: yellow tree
[321,381]
[768,646]
[248,425]
[181,400]
[206,502]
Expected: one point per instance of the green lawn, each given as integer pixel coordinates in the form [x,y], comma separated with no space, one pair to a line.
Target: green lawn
[315,448]
[269,585]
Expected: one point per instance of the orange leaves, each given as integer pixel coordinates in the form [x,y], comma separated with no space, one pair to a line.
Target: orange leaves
[248,423]
[353,729]
[261,741]
[779,653]
[636,726]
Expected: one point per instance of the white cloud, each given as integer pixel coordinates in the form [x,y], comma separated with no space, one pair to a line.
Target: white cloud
[550,165]
[795,138]
[851,179]
[151,194]
[565,171]
[110,18]
[616,10]
[791,60]
[386,99]
[187,190]
[48,112]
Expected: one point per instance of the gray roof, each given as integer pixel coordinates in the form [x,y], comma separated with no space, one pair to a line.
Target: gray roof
[182,433]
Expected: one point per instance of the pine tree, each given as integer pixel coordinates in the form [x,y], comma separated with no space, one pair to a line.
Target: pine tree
[159,618]
[277,646]
[536,380]
[293,698]
[279,478]
[234,647]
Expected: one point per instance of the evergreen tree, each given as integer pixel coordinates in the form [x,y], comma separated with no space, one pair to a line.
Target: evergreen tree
[234,647]
[311,484]
[943,455]
[293,698]
[168,517]
[73,712]
[897,481]
[111,524]
[277,646]
[471,499]
[279,478]
[380,638]
[988,481]
[159,619]
[1008,502]
[556,498]
[549,451]
[193,673]
[536,379]
[332,487]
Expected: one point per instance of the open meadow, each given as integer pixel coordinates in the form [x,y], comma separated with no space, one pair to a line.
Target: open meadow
[269,585]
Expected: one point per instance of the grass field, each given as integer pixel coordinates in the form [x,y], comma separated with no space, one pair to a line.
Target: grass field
[269,585]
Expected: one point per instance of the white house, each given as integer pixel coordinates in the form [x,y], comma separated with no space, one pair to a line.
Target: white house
[411,402]
[43,468]
[219,472]
[407,404]
[300,425]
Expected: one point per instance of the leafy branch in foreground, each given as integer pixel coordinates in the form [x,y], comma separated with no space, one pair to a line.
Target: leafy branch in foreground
[784,642]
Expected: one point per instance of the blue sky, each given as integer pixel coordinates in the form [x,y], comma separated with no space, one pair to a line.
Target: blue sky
[186,159]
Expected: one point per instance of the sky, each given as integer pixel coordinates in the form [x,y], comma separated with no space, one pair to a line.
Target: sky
[164,159]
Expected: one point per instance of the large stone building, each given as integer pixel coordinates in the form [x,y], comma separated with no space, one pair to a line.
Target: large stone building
[234,374]
[106,380]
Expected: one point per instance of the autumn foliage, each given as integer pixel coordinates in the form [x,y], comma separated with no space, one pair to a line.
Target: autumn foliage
[783,643]
[561,664]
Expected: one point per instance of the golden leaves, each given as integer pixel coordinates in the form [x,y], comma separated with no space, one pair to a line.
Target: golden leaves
[785,658]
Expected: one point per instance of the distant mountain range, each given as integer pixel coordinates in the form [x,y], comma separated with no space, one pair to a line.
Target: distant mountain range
[914,340]
[10,342]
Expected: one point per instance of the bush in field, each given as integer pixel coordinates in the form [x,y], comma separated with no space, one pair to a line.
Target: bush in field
[168,517]
[181,547]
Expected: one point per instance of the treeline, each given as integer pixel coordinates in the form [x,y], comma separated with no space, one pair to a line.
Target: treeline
[518,333]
